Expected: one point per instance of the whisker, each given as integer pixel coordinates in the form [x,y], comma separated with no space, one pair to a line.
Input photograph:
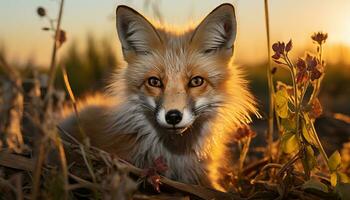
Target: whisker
[207,107]
[148,107]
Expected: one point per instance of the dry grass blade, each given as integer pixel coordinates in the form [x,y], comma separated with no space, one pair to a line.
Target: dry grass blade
[63,164]
[83,183]
[37,171]
[81,130]
[13,108]
[199,191]
[16,161]
[204,193]
[18,185]
[72,98]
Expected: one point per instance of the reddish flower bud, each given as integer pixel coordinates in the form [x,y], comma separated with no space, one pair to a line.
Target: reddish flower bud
[61,38]
[275,47]
[302,76]
[311,62]
[244,132]
[315,74]
[278,47]
[276,56]
[274,70]
[316,109]
[289,46]
[282,47]
[301,65]
[160,164]
[319,37]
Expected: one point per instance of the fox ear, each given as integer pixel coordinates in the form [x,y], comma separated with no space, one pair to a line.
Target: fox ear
[136,34]
[217,31]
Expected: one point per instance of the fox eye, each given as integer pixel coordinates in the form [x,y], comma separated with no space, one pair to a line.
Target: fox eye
[154,82]
[196,81]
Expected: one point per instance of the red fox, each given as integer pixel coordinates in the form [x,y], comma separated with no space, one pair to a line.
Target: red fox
[178,96]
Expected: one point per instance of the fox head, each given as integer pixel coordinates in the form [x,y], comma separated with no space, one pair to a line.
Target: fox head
[180,79]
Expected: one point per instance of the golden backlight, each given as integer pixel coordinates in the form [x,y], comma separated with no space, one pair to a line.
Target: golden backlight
[294,19]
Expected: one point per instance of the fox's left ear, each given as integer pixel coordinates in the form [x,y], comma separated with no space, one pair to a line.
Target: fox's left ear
[217,31]
[137,35]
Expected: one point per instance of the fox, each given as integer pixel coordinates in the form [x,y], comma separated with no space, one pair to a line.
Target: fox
[178,95]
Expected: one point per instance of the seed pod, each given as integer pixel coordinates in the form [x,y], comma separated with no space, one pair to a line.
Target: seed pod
[41,11]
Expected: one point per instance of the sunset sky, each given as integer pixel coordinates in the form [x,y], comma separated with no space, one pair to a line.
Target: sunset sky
[21,34]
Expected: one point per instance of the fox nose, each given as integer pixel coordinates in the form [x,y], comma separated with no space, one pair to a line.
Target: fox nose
[173,117]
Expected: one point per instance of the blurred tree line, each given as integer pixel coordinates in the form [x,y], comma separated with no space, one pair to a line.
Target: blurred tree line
[89,68]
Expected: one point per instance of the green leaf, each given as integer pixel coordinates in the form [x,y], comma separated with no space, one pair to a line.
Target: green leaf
[343,178]
[281,99]
[339,177]
[308,160]
[334,179]
[334,161]
[289,143]
[315,184]
[289,124]
[307,133]
[343,190]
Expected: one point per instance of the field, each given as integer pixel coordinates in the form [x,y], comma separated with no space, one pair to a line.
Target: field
[298,149]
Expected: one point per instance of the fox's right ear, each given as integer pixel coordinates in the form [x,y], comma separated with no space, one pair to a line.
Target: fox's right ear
[136,34]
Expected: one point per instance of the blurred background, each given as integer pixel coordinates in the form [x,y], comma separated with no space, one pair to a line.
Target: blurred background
[92,49]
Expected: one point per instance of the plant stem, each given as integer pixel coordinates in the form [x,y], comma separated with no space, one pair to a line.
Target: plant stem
[86,143]
[304,92]
[243,154]
[270,127]
[319,144]
[53,56]
[37,172]
[317,84]
[295,89]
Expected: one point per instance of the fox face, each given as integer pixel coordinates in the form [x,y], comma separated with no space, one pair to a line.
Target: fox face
[178,78]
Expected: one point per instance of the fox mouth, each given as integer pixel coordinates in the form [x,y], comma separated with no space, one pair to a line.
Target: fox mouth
[177,130]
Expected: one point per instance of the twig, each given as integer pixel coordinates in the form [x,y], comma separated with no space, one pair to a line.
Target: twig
[53,56]
[82,182]
[37,171]
[243,153]
[18,185]
[270,127]
[288,164]
[7,184]
[16,162]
